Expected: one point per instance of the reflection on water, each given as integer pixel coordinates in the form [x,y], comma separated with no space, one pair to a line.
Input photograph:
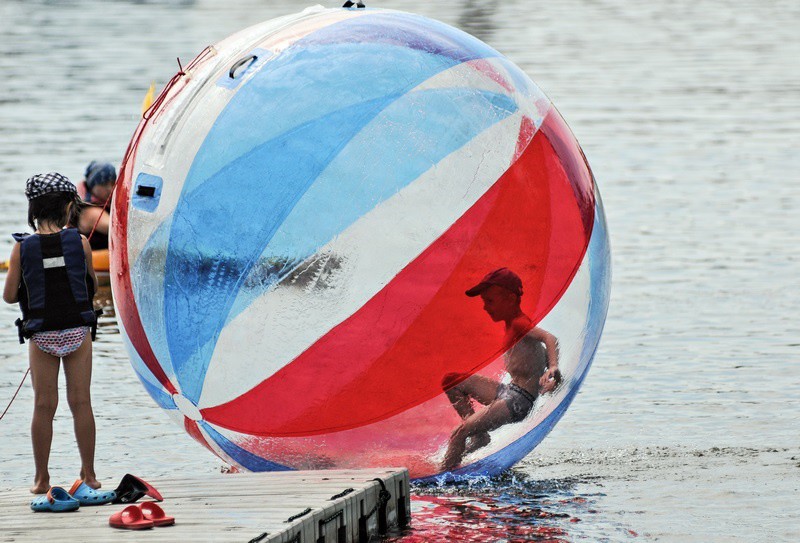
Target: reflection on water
[511,508]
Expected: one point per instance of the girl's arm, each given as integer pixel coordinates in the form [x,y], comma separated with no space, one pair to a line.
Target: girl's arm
[11,290]
[87,252]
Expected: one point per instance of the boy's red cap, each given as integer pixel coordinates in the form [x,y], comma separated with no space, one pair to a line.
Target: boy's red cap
[502,277]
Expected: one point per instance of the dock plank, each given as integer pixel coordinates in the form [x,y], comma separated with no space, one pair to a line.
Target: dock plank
[232,507]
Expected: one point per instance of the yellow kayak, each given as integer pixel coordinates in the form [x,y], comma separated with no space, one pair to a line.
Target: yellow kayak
[99,261]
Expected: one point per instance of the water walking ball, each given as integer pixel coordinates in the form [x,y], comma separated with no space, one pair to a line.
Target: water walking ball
[299,216]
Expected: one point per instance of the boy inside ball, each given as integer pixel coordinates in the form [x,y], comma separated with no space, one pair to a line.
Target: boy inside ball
[531,360]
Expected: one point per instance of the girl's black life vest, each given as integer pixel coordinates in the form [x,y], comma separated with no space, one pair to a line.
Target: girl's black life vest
[56,290]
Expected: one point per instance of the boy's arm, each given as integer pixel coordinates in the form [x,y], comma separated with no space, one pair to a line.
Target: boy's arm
[552,375]
[14,276]
[92,215]
[551,343]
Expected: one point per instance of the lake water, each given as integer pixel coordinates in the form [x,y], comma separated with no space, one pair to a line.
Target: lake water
[688,425]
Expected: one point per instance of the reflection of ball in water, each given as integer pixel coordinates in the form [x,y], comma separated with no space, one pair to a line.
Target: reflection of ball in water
[298,221]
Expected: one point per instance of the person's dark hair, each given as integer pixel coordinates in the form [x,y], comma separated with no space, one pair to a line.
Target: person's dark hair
[99,173]
[77,209]
[50,207]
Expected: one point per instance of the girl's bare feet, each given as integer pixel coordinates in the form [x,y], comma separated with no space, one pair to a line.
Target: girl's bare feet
[90,479]
[92,483]
[40,486]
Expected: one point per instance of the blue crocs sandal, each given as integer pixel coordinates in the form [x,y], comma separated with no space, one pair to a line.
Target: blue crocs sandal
[86,495]
[57,500]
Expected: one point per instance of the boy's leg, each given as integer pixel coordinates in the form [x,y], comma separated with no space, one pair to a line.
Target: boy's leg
[477,387]
[44,378]
[476,427]
[78,371]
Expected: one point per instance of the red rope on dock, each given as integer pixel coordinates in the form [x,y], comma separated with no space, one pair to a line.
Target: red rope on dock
[15,394]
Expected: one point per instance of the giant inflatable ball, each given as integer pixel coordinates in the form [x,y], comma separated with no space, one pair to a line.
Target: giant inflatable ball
[299,216]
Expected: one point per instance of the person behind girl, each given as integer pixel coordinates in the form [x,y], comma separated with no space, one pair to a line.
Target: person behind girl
[98,182]
[91,210]
[50,274]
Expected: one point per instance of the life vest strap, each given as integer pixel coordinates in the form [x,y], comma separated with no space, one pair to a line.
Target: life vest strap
[20,330]
[97,313]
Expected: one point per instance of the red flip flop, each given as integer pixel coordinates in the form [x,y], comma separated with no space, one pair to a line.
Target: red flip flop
[152,512]
[129,518]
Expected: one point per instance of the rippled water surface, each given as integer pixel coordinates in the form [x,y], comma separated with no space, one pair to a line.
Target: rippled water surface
[687,427]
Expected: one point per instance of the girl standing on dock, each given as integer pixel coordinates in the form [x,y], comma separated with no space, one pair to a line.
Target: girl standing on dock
[50,274]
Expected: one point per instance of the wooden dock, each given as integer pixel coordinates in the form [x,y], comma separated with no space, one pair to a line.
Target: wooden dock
[338,506]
